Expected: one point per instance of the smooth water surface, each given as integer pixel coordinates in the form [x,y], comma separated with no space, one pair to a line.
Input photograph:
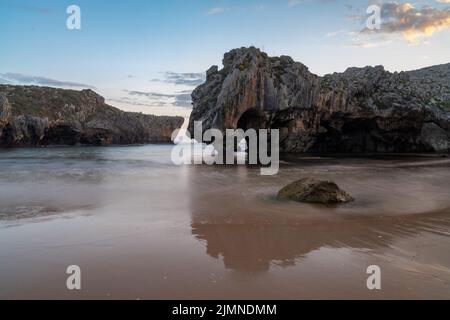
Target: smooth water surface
[141,227]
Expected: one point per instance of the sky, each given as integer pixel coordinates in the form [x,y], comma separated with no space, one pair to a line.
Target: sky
[148,56]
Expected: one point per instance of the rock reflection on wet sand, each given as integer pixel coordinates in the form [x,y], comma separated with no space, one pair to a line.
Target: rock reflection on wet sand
[140,227]
[255,248]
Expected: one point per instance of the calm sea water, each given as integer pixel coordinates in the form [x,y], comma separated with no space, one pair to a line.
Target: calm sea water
[141,227]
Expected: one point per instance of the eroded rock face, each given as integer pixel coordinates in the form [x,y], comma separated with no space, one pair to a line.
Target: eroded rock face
[38,116]
[314,191]
[361,110]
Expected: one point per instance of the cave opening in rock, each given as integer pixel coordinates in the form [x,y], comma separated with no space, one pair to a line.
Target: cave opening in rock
[258,120]
[354,136]
[252,119]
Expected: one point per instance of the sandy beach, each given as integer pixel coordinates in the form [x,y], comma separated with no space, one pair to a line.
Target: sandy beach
[141,228]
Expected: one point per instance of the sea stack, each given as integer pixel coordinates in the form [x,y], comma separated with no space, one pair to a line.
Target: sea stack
[362,110]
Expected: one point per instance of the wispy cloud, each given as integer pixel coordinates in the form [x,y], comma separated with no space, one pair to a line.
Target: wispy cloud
[292,3]
[185,82]
[179,99]
[4,81]
[338,32]
[216,10]
[18,78]
[31,8]
[187,79]
[368,44]
[28,7]
[192,79]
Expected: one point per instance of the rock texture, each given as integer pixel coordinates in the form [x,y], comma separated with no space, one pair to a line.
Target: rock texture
[39,116]
[362,110]
[314,191]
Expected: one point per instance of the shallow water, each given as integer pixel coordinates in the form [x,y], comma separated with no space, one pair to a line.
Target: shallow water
[140,227]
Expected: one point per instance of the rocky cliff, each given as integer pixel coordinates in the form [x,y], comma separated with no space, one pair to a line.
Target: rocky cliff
[360,110]
[39,116]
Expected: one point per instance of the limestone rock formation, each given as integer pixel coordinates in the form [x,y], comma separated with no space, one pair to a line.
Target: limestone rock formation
[5,111]
[362,110]
[33,116]
[314,191]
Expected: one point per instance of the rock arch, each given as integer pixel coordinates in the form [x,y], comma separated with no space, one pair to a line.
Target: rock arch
[362,110]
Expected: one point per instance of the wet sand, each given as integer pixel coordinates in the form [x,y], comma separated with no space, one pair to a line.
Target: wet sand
[141,228]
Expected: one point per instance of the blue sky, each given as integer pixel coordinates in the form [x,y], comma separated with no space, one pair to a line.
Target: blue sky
[148,55]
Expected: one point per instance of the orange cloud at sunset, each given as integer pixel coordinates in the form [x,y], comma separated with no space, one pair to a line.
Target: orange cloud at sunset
[412,22]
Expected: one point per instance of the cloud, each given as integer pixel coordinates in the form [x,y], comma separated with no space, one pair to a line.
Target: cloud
[5,81]
[171,98]
[368,44]
[18,78]
[189,79]
[149,94]
[28,7]
[413,23]
[216,10]
[338,32]
[183,100]
[292,3]
[31,8]
[179,99]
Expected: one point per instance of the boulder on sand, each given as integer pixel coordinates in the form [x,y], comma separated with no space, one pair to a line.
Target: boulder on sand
[314,191]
